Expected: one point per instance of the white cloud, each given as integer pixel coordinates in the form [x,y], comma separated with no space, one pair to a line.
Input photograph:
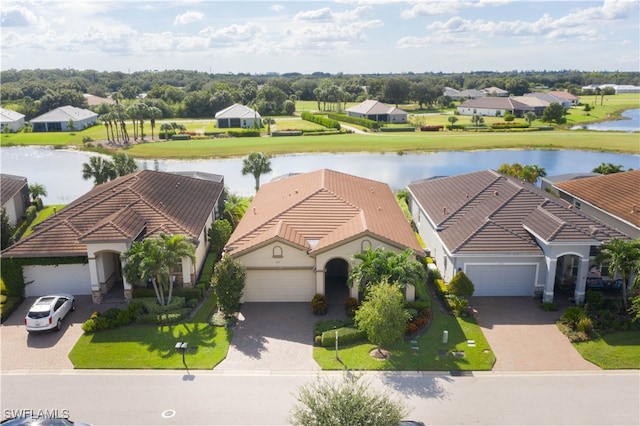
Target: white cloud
[445,7]
[323,14]
[240,35]
[188,17]
[17,16]
[277,8]
[439,39]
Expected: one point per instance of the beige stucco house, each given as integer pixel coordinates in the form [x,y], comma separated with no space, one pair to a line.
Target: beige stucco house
[14,196]
[78,249]
[301,231]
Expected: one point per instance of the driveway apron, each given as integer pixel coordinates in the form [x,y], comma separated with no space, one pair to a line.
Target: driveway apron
[524,337]
[272,337]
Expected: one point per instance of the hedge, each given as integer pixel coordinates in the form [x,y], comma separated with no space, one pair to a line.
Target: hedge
[321,120]
[180,137]
[287,133]
[398,129]
[8,306]
[364,122]
[345,335]
[321,133]
[244,133]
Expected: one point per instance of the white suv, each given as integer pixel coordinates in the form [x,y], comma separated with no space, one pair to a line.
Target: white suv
[48,312]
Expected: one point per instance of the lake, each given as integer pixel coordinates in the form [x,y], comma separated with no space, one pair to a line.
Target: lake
[631,124]
[61,170]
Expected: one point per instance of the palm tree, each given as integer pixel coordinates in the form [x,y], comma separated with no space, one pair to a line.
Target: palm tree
[234,208]
[256,164]
[175,247]
[154,113]
[99,169]
[123,164]
[380,265]
[608,168]
[477,120]
[165,127]
[155,258]
[37,190]
[530,117]
[624,258]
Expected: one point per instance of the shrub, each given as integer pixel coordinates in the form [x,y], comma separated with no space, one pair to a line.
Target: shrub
[181,137]
[324,325]
[460,285]
[370,124]
[345,335]
[287,133]
[572,316]
[419,305]
[244,133]
[10,304]
[351,305]
[594,300]
[413,313]
[321,120]
[584,326]
[457,305]
[31,213]
[319,304]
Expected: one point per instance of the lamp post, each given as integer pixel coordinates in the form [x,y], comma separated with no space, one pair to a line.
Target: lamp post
[182,348]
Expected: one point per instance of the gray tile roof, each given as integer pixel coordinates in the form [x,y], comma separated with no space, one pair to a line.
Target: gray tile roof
[489,213]
[64,114]
[10,185]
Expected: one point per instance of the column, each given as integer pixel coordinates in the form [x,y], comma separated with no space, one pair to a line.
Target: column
[96,296]
[581,281]
[320,280]
[547,295]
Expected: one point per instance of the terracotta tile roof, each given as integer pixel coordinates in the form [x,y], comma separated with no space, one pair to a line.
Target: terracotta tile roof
[617,193]
[10,185]
[488,213]
[371,106]
[321,209]
[143,203]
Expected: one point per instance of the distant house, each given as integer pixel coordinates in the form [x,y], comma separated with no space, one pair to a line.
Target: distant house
[493,106]
[78,250]
[378,111]
[238,116]
[14,192]
[565,95]
[495,91]
[619,88]
[613,199]
[301,231]
[551,98]
[60,119]
[93,100]
[510,237]
[538,105]
[12,120]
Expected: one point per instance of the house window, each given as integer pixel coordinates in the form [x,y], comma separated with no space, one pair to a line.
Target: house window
[177,268]
[365,245]
[577,204]
[277,251]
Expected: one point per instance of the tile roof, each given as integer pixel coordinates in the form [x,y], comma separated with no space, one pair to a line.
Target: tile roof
[495,102]
[488,213]
[10,185]
[616,193]
[321,209]
[143,203]
[9,116]
[371,106]
[64,114]
[237,111]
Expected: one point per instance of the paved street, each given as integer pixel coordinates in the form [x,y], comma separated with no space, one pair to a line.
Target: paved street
[210,398]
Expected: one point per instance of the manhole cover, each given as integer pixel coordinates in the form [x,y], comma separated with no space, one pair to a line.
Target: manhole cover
[167,414]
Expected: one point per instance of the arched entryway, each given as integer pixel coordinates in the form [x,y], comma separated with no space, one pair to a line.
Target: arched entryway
[109,271]
[335,280]
[566,274]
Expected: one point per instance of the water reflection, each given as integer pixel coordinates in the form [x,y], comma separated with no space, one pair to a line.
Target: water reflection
[61,171]
[630,124]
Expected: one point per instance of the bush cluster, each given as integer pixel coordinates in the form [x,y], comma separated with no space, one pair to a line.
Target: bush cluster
[321,120]
[455,302]
[319,304]
[345,335]
[364,122]
[420,317]
[351,306]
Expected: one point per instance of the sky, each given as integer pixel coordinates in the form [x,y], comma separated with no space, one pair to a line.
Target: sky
[340,36]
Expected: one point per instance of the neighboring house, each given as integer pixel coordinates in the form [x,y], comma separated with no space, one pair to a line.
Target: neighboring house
[538,105]
[60,118]
[377,111]
[613,199]
[14,192]
[495,91]
[493,106]
[78,250]
[619,88]
[548,97]
[510,237]
[565,95]
[300,233]
[238,115]
[12,120]
[93,100]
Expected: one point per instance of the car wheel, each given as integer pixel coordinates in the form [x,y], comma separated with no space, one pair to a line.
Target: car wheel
[73,305]
[59,325]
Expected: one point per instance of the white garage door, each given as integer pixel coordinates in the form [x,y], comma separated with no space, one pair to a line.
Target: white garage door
[73,279]
[502,280]
[279,286]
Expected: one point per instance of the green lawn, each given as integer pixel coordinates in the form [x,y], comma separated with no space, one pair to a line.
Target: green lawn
[619,350]
[431,355]
[42,215]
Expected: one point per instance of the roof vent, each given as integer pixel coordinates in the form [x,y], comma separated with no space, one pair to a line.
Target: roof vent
[255,211]
[372,190]
[379,208]
[444,210]
[634,209]
[496,193]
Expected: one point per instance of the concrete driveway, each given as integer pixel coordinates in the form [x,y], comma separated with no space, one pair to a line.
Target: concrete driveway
[43,350]
[274,337]
[524,337]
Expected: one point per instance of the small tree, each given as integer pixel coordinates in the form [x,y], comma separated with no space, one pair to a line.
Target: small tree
[37,190]
[554,113]
[508,117]
[219,235]
[477,120]
[229,279]
[382,315]
[452,119]
[461,285]
[350,402]
[7,230]
[530,116]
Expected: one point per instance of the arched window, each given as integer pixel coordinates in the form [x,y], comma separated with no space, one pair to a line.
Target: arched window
[277,251]
[366,244]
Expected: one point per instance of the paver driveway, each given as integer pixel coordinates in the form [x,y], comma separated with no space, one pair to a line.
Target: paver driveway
[274,337]
[524,337]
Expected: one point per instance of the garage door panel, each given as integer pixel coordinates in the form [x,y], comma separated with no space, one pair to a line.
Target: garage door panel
[41,280]
[502,280]
[279,286]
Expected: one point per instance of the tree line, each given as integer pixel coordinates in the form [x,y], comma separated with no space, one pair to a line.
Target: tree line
[182,93]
